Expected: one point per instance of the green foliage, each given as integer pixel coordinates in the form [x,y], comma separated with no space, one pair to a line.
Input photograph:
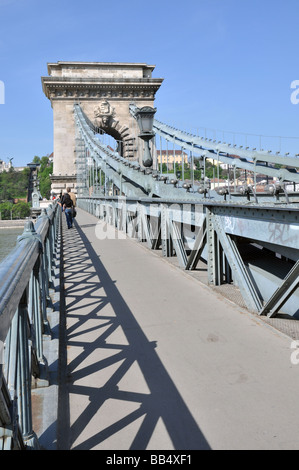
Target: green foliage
[44,177]
[36,160]
[211,171]
[13,184]
[8,210]
[21,210]
[179,169]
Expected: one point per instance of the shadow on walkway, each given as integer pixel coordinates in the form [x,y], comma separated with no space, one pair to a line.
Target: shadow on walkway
[89,291]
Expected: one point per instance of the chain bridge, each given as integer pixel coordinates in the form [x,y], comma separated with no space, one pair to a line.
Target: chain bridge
[167,317]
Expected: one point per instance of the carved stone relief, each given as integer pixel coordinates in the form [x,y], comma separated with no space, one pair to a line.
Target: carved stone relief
[104,114]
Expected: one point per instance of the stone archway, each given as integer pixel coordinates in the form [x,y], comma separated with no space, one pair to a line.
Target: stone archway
[105,118]
[104,91]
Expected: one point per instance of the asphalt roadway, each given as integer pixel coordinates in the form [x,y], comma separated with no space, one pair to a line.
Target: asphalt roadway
[158,361]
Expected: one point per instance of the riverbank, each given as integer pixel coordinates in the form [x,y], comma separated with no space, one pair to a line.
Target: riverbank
[8,236]
[6,224]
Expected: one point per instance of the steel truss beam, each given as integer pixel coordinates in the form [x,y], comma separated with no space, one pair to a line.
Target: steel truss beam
[282,293]
[272,226]
[159,223]
[199,245]
[216,233]
[169,231]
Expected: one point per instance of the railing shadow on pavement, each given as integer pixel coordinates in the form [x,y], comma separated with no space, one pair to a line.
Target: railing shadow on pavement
[84,275]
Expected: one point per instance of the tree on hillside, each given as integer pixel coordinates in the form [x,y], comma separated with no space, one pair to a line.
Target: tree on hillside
[36,160]
[21,210]
[8,210]
[44,172]
[13,184]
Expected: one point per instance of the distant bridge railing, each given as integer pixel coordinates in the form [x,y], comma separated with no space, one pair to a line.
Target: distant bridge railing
[25,281]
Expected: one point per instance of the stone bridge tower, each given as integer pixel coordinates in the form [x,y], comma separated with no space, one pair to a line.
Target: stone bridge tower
[104,91]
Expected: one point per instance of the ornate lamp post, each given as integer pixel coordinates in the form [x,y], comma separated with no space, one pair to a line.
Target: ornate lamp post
[145,119]
[32,178]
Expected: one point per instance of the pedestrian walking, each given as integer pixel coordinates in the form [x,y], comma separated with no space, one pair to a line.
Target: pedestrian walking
[67,204]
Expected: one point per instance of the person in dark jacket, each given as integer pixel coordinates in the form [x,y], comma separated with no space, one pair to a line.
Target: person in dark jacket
[59,199]
[67,205]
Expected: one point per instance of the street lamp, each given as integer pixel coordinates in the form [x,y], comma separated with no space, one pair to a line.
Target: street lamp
[145,120]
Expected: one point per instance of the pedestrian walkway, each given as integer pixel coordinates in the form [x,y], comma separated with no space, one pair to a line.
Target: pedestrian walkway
[158,361]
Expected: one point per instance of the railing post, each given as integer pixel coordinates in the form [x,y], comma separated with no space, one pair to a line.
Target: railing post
[50,246]
[37,311]
[18,379]
[39,316]
[24,377]
[45,268]
[42,281]
[10,431]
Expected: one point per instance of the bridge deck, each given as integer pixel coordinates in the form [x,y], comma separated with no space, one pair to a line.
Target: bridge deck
[156,360]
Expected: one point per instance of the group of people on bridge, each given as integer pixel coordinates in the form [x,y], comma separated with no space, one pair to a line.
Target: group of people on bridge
[67,201]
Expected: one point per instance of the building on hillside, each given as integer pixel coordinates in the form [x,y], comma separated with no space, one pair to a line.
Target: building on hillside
[169,157]
[5,166]
[19,168]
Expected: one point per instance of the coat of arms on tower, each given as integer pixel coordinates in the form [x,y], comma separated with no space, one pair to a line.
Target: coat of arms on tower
[104,114]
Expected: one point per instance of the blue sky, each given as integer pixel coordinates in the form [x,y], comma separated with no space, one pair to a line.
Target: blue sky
[226,64]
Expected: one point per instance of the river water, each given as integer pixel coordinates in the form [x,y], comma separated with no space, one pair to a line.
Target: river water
[8,238]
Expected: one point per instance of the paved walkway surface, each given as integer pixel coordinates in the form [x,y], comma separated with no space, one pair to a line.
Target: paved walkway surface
[156,360]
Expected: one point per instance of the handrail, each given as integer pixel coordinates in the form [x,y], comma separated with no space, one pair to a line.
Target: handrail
[25,278]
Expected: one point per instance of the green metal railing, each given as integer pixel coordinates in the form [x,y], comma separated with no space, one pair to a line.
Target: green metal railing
[25,280]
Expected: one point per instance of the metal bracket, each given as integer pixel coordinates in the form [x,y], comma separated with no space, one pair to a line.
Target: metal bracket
[177,243]
[282,293]
[235,261]
[198,247]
